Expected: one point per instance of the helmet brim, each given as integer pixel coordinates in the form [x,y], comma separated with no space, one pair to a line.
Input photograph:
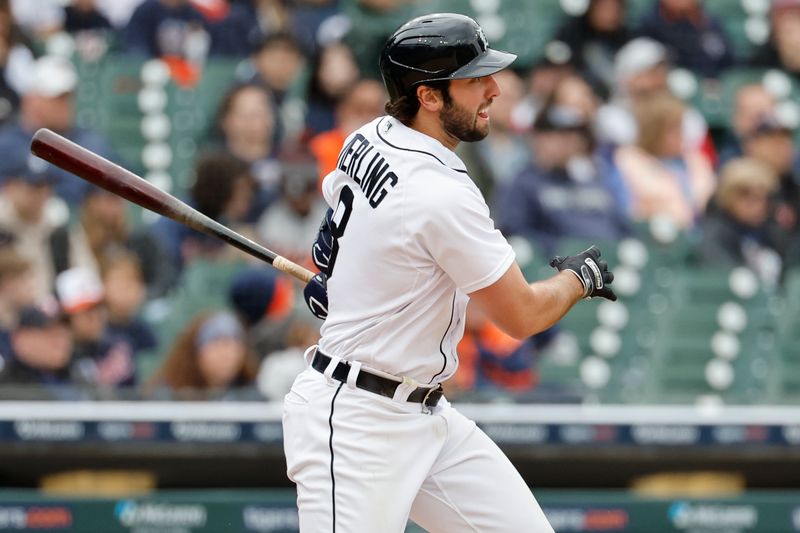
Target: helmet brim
[489,62]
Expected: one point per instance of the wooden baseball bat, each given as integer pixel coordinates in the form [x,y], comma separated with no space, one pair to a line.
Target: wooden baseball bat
[95,169]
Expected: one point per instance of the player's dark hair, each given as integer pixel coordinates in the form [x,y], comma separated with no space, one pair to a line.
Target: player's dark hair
[405,108]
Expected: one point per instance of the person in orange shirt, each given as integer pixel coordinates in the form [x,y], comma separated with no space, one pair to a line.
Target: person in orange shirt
[363,103]
[489,358]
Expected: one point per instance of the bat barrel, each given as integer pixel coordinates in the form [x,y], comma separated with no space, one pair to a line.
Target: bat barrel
[95,169]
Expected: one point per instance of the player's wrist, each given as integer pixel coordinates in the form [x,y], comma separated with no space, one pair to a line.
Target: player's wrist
[574,282]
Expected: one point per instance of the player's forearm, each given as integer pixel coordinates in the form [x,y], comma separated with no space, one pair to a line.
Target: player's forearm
[521,309]
[550,301]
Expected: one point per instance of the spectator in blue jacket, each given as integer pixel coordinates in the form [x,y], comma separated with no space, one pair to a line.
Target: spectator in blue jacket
[159,28]
[47,102]
[696,40]
[565,192]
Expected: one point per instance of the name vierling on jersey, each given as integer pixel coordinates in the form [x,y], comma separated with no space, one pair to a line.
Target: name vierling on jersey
[367,168]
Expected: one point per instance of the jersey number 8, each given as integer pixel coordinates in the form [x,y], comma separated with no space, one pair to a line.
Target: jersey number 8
[339,223]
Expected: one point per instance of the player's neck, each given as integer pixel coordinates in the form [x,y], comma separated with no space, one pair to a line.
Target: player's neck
[431,126]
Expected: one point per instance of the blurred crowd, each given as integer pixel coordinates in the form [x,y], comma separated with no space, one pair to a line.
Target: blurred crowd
[591,140]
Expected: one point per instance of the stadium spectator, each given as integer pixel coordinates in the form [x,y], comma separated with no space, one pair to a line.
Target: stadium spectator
[165,28]
[263,300]
[782,50]
[84,15]
[752,103]
[232,27]
[101,227]
[272,16]
[125,292]
[24,214]
[564,192]
[696,40]
[16,60]
[362,103]
[17,292]
[41,350]
[663,173]
[209,360]
[541,80]
[575,92]
[48,102]
[291,222]
[277,63]
[172,30]
[334,72]
[222,190]
[641,68]
[739,231]
[772,142]
[491,363]
[100,358]
[504,153]
[246,125]
[594,38]
[280,367]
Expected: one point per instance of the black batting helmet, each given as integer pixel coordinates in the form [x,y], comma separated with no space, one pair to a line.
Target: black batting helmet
[442,46]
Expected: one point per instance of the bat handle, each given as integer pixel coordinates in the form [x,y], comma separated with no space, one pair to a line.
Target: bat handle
[293,269]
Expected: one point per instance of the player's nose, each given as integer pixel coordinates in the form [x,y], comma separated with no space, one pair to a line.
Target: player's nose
[492,87]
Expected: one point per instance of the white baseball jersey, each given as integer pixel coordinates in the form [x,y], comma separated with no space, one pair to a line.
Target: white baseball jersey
[413,237]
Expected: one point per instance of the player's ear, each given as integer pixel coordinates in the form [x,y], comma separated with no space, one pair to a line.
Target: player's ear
[429,98]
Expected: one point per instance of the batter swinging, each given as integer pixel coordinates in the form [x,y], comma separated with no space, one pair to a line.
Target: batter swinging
[369,438]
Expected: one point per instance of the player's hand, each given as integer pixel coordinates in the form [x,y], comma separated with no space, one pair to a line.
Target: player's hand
[590,270]
[316,295]
[321,250]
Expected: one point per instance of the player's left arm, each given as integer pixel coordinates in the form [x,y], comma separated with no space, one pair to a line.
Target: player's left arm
[521,309]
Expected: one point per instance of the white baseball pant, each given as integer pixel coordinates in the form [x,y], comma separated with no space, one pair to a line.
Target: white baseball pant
[364,463]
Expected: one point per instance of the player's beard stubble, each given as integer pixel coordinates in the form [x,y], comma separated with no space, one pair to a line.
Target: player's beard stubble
[461,124]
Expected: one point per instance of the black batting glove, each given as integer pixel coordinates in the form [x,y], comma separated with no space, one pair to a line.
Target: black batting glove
[590,270]
[321,250]
[316,295]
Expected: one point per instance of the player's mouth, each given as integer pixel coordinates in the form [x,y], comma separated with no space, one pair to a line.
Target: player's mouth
[484,114]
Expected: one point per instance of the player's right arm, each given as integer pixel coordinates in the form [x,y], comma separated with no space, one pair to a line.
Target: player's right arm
[522,309]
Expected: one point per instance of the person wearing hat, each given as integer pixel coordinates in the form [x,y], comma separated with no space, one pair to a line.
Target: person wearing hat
[26,212]
[101,358]
[771,141]
[641,68]
[41,349]
[209,359]
[264,301]
[751,102]
[48,102]
[564,192]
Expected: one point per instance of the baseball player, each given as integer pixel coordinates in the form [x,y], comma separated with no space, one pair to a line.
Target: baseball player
[369,438]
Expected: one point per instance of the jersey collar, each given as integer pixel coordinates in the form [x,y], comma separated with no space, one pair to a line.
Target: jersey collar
[399,136]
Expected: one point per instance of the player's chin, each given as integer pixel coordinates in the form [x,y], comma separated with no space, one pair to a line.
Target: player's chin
[481,128]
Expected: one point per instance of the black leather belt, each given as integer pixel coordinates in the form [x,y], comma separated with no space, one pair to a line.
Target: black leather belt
[377,384]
